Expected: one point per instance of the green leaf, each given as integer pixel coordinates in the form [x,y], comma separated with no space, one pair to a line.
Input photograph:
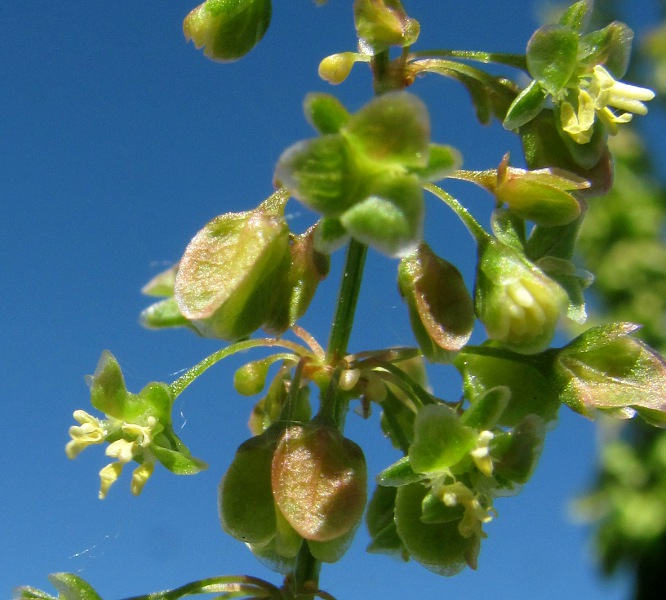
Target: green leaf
[440,440]
[331,551]
[527,105]
[487,410]
[392,129]
[228,29]
[552,57]
[520,453]
[325,112]
[391,218]
[399,473]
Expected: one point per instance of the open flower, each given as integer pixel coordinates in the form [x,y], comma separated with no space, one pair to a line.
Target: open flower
[137,427]
[601,96]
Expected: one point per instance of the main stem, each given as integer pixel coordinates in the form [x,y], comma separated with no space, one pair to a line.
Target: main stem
[306,571]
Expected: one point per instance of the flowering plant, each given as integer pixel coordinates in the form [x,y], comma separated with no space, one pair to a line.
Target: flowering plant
[296,491]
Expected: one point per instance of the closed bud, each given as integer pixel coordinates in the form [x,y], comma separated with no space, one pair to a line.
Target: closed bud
[227,29]
[336,67]
[381,24]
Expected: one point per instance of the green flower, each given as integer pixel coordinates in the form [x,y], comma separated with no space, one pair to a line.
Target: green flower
[137,428]
[600,96]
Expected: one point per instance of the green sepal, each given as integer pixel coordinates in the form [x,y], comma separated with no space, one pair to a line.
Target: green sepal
[109,395]
[441,310]
[610,47]
[440,440]
[287,542]
[325,112]
[439,547]
[245,496]
[487,410]
[392,129]
[543,196]
[527,105]
[516,453]
[552,57]
[381,524]
[433,510]
[391,218]
[179,461]
[269,556]
[399,473]
[577,15]
[228,29]
[508,228]
[532,391]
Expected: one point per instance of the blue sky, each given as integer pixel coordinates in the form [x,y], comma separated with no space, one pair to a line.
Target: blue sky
[119,143]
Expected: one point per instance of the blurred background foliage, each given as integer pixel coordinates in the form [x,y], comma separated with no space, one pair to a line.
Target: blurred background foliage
[623,242]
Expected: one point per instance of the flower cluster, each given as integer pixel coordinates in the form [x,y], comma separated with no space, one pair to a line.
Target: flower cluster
[137,428]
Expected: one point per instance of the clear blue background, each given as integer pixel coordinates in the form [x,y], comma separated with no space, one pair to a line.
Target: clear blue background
[119,142]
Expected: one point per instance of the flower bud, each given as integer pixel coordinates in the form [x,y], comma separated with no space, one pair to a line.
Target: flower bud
[440,307]
[516,301]
[541,196]
[319,481]
[227,29]
[336,67]
[381,24]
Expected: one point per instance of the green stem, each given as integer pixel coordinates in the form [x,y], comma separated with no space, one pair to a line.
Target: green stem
[517,61]
[184,380]
[478,233]
[347,300]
